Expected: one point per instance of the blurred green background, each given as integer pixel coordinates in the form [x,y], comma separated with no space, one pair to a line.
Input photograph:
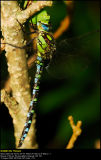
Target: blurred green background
[71,85]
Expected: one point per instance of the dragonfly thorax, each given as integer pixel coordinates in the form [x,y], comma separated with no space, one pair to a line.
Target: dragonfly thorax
[46,45]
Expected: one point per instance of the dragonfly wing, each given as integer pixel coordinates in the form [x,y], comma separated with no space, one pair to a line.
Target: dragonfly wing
[72,55]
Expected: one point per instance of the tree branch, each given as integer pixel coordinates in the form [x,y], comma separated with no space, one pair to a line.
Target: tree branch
[31,10]
[76,132]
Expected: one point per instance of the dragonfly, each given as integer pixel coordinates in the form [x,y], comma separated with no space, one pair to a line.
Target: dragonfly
[46,47]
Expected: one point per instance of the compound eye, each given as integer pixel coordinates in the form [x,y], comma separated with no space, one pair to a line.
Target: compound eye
[45,27]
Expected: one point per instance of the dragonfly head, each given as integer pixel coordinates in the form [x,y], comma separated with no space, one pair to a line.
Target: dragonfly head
[43,20]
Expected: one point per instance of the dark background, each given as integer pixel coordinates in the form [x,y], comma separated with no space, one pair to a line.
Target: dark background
[71,85]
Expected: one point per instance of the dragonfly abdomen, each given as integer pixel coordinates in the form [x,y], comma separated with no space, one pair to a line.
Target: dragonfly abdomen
[33,103]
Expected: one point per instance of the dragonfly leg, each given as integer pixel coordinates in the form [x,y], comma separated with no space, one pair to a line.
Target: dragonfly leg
[23,47]
[35,31]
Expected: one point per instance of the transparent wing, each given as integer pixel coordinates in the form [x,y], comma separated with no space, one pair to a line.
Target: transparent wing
[74,55]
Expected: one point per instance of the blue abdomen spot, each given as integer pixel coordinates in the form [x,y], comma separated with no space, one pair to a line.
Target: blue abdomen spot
[25,135]
[29,121]
[25,124]
[39,58]
[34,92]
[27,129]
[31,103]
[38,68]
[22,138]
[28,115]
[36,80]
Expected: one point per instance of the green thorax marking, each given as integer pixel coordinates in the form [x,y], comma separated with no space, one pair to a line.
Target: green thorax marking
[45,44]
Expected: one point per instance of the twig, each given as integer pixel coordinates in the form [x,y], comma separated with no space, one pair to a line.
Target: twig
[76,132]
[97,144]
[63,27]
[66,21]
